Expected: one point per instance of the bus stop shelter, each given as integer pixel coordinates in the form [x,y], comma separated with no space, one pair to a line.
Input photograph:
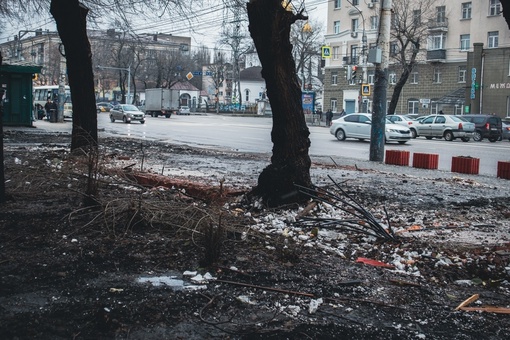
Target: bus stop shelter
[16,81]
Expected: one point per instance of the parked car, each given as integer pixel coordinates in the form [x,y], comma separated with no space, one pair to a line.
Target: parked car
[359,125]
[486,126]
[103,107]
[127,113]
[445,126]
[183,110]
[404,120]
[505,135]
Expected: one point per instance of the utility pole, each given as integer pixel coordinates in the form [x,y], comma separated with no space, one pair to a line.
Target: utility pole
[377,135]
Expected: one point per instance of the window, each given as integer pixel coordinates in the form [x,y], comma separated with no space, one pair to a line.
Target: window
[414,77]
[494,7]
[374,22]
[393,78]
[413,106]
[336,27]
[493,39]
[246,95]
[354,25]
[338,3]
[462,74]
[466,10]
[437,75]
[336,52]
[417,17]
[393,48]
[334,105]
[434,107]
[354,54]
[355,2]
[436,42]
[441,14]
[465,42]
[334,78]
[371,77]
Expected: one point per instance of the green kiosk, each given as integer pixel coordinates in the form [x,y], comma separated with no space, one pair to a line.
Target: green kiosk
[16,81]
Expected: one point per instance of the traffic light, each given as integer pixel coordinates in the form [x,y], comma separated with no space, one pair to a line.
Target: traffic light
[353,73]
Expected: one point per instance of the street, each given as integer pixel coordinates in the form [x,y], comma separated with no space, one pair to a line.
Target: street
[252,134]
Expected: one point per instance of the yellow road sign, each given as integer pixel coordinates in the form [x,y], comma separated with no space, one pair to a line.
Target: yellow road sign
[326,52]
[366,90]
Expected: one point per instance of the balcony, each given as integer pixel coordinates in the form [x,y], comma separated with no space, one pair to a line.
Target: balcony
[352,60]
[438,25]
[436,56]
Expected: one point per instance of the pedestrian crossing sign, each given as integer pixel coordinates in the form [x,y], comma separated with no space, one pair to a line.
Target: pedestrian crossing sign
[326,52]
[365,90]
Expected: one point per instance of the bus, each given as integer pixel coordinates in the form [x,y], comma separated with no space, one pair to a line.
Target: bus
[43,93]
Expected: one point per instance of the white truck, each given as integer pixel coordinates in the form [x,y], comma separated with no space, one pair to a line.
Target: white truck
[161,102]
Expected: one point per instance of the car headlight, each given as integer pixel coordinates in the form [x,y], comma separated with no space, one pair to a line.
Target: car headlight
[391,130]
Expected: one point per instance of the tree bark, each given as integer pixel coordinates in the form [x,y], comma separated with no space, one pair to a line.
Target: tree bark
[506,12]
[71,19]
[269,25]
[3,196]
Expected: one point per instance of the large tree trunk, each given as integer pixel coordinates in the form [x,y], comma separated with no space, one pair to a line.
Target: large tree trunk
[506,12]
[71,19]
[3,197]
[290,163]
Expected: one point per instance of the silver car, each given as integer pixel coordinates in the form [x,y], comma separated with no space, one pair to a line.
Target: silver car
[445,126]
[127,113]
[359,125]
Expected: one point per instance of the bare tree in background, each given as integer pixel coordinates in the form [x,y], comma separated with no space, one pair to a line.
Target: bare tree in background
[236,37]
[270,26]
[408,32]
[306,39]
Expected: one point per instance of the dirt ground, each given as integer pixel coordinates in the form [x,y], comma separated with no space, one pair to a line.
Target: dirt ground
[163,244]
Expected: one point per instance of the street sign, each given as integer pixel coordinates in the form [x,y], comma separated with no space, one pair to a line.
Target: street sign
[326,52]
[366,89]
[197,73]
[189,75]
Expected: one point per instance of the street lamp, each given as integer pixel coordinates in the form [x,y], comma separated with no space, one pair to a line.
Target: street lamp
[129,77]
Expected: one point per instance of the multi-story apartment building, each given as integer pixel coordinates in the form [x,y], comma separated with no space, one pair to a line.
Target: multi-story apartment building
[144,54]
[462,65]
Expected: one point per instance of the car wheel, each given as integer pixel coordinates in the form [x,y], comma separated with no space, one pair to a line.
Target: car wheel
[428,137]
[340,134]
[477,136]
[124,119]
[167,116]
[465,139]
[493,140]
[413,133]
[112,119]
[448,136]
[142,122]
[402,141]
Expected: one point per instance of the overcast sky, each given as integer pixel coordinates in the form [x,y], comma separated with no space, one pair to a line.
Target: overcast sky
[204,26]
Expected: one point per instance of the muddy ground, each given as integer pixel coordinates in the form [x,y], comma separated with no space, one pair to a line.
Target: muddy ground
[164,245]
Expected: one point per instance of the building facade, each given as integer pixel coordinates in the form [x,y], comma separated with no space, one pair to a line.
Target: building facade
[462,63]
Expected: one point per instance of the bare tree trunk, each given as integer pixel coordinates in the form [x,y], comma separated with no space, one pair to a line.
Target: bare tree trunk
[70,17]
[3,197]
[506,12]
[290,164]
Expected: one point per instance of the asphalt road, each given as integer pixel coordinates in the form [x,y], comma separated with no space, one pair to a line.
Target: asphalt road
[253,134]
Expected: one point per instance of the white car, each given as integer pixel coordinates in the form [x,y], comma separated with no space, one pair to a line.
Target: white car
[183,110]
[359,125]
[404,120]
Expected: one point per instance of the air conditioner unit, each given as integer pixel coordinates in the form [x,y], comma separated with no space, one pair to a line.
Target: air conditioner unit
[370,5]
[354,34]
